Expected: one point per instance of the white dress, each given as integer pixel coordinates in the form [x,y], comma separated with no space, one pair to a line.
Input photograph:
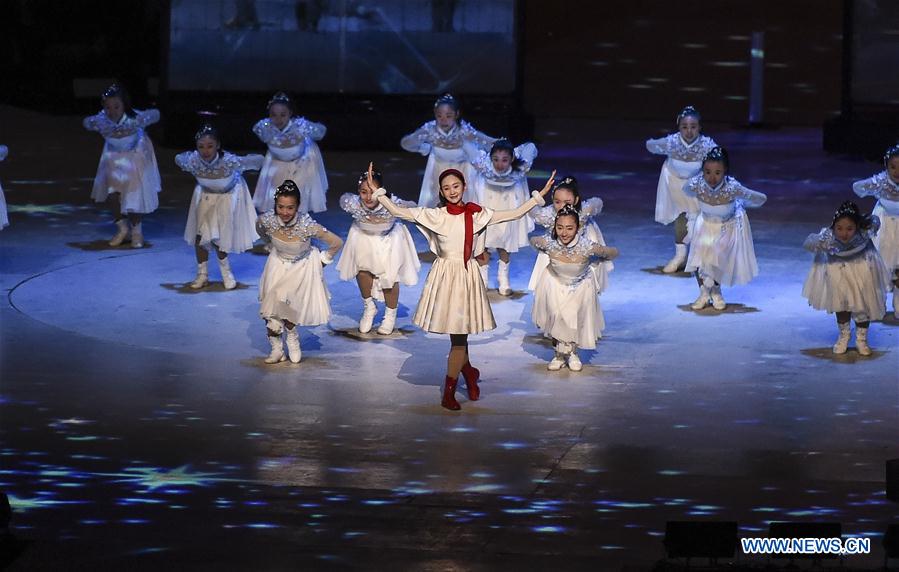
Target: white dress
[887,210]
[847,277]
[379,244]
[566,305]
[454,298]
[546,217]
[444,151]
[221,210]
[722,238]
[683,162]
[128,163]
[503,191]
[292,154]
[4,219]
[292,286]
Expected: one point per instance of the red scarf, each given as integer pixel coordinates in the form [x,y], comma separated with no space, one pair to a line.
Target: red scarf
[468,210]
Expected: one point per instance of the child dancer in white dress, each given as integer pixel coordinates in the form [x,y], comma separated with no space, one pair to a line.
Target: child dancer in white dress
[128,166]
[848,276]
[564,194]
[454,298]
[501,181]
[684,152]
[221,216]
[292,290]
[292,154]
[441,141]
[379,253]
[566,306]
[885,187]
[721,251]
[4,219]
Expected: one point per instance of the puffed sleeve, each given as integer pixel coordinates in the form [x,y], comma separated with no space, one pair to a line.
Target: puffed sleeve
[545,217]
[819,241]
[261,130]
[251,162]
[261,229]
[417,142]
[539,243]
[526,152]
[348,202]
[866,187]
[591,207]
[604,252]
[657,146]
[147,117]
[313,130]
[750,198]
[692,185]
[92,123]
[183,160]
[4,151]
[482,140]
[874,228]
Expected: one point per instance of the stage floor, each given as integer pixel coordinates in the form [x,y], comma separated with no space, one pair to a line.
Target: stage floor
[142,430]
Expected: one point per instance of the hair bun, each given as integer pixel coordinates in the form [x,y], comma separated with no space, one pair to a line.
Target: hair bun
[281,98]
[207,130]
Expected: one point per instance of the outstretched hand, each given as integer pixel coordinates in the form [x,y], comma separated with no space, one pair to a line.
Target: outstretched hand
[549,184]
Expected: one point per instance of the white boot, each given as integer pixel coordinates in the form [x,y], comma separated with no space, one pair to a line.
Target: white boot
[843,340]
[703,300]
[556,363]
[277,354]
[502,277]
[717,299]
[202,278]
[574,362]
[388,323]
[861,341]
[485,275]
[137,236]
[293,345]
[680,257]
[368,315]
[122,234]
[227,277]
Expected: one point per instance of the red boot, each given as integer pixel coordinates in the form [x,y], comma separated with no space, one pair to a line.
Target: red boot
[471,375]
[449,395]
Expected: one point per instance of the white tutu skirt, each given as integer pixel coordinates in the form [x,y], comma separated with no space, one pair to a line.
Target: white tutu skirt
[391,257]
[295,291]
[858,284]
[4,219]
[308,172]
[512,235]
[566,313]
[448,159]
[887,239]
[454,299]
[723,250]
[226,220]
[671,200]
[132,174]
[600,270]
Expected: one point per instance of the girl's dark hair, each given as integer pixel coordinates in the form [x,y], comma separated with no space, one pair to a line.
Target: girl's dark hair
[118,90]
[849,209]
[454,172]
[688,111]
[506,145]
[890,153]
[447,99]
[281,98]
[718,154]
[567,210]
[376,176]
[288,189]
[569,183]
[209,131]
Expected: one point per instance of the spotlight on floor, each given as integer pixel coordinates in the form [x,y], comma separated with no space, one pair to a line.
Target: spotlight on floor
[893,480]
[707,539]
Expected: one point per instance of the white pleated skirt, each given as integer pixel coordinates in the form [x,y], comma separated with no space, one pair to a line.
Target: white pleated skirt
[391,257]
[308,172]
[723,249]
[671,200]
[858,284]
[887,239]
[568,313]
[454,299]
[295,291]
[133,174]
[226,220]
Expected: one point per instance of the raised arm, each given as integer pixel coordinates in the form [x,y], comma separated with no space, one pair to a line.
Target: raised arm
[381,194]
[591,207]
[657,146]
[536,200]
[526,152]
